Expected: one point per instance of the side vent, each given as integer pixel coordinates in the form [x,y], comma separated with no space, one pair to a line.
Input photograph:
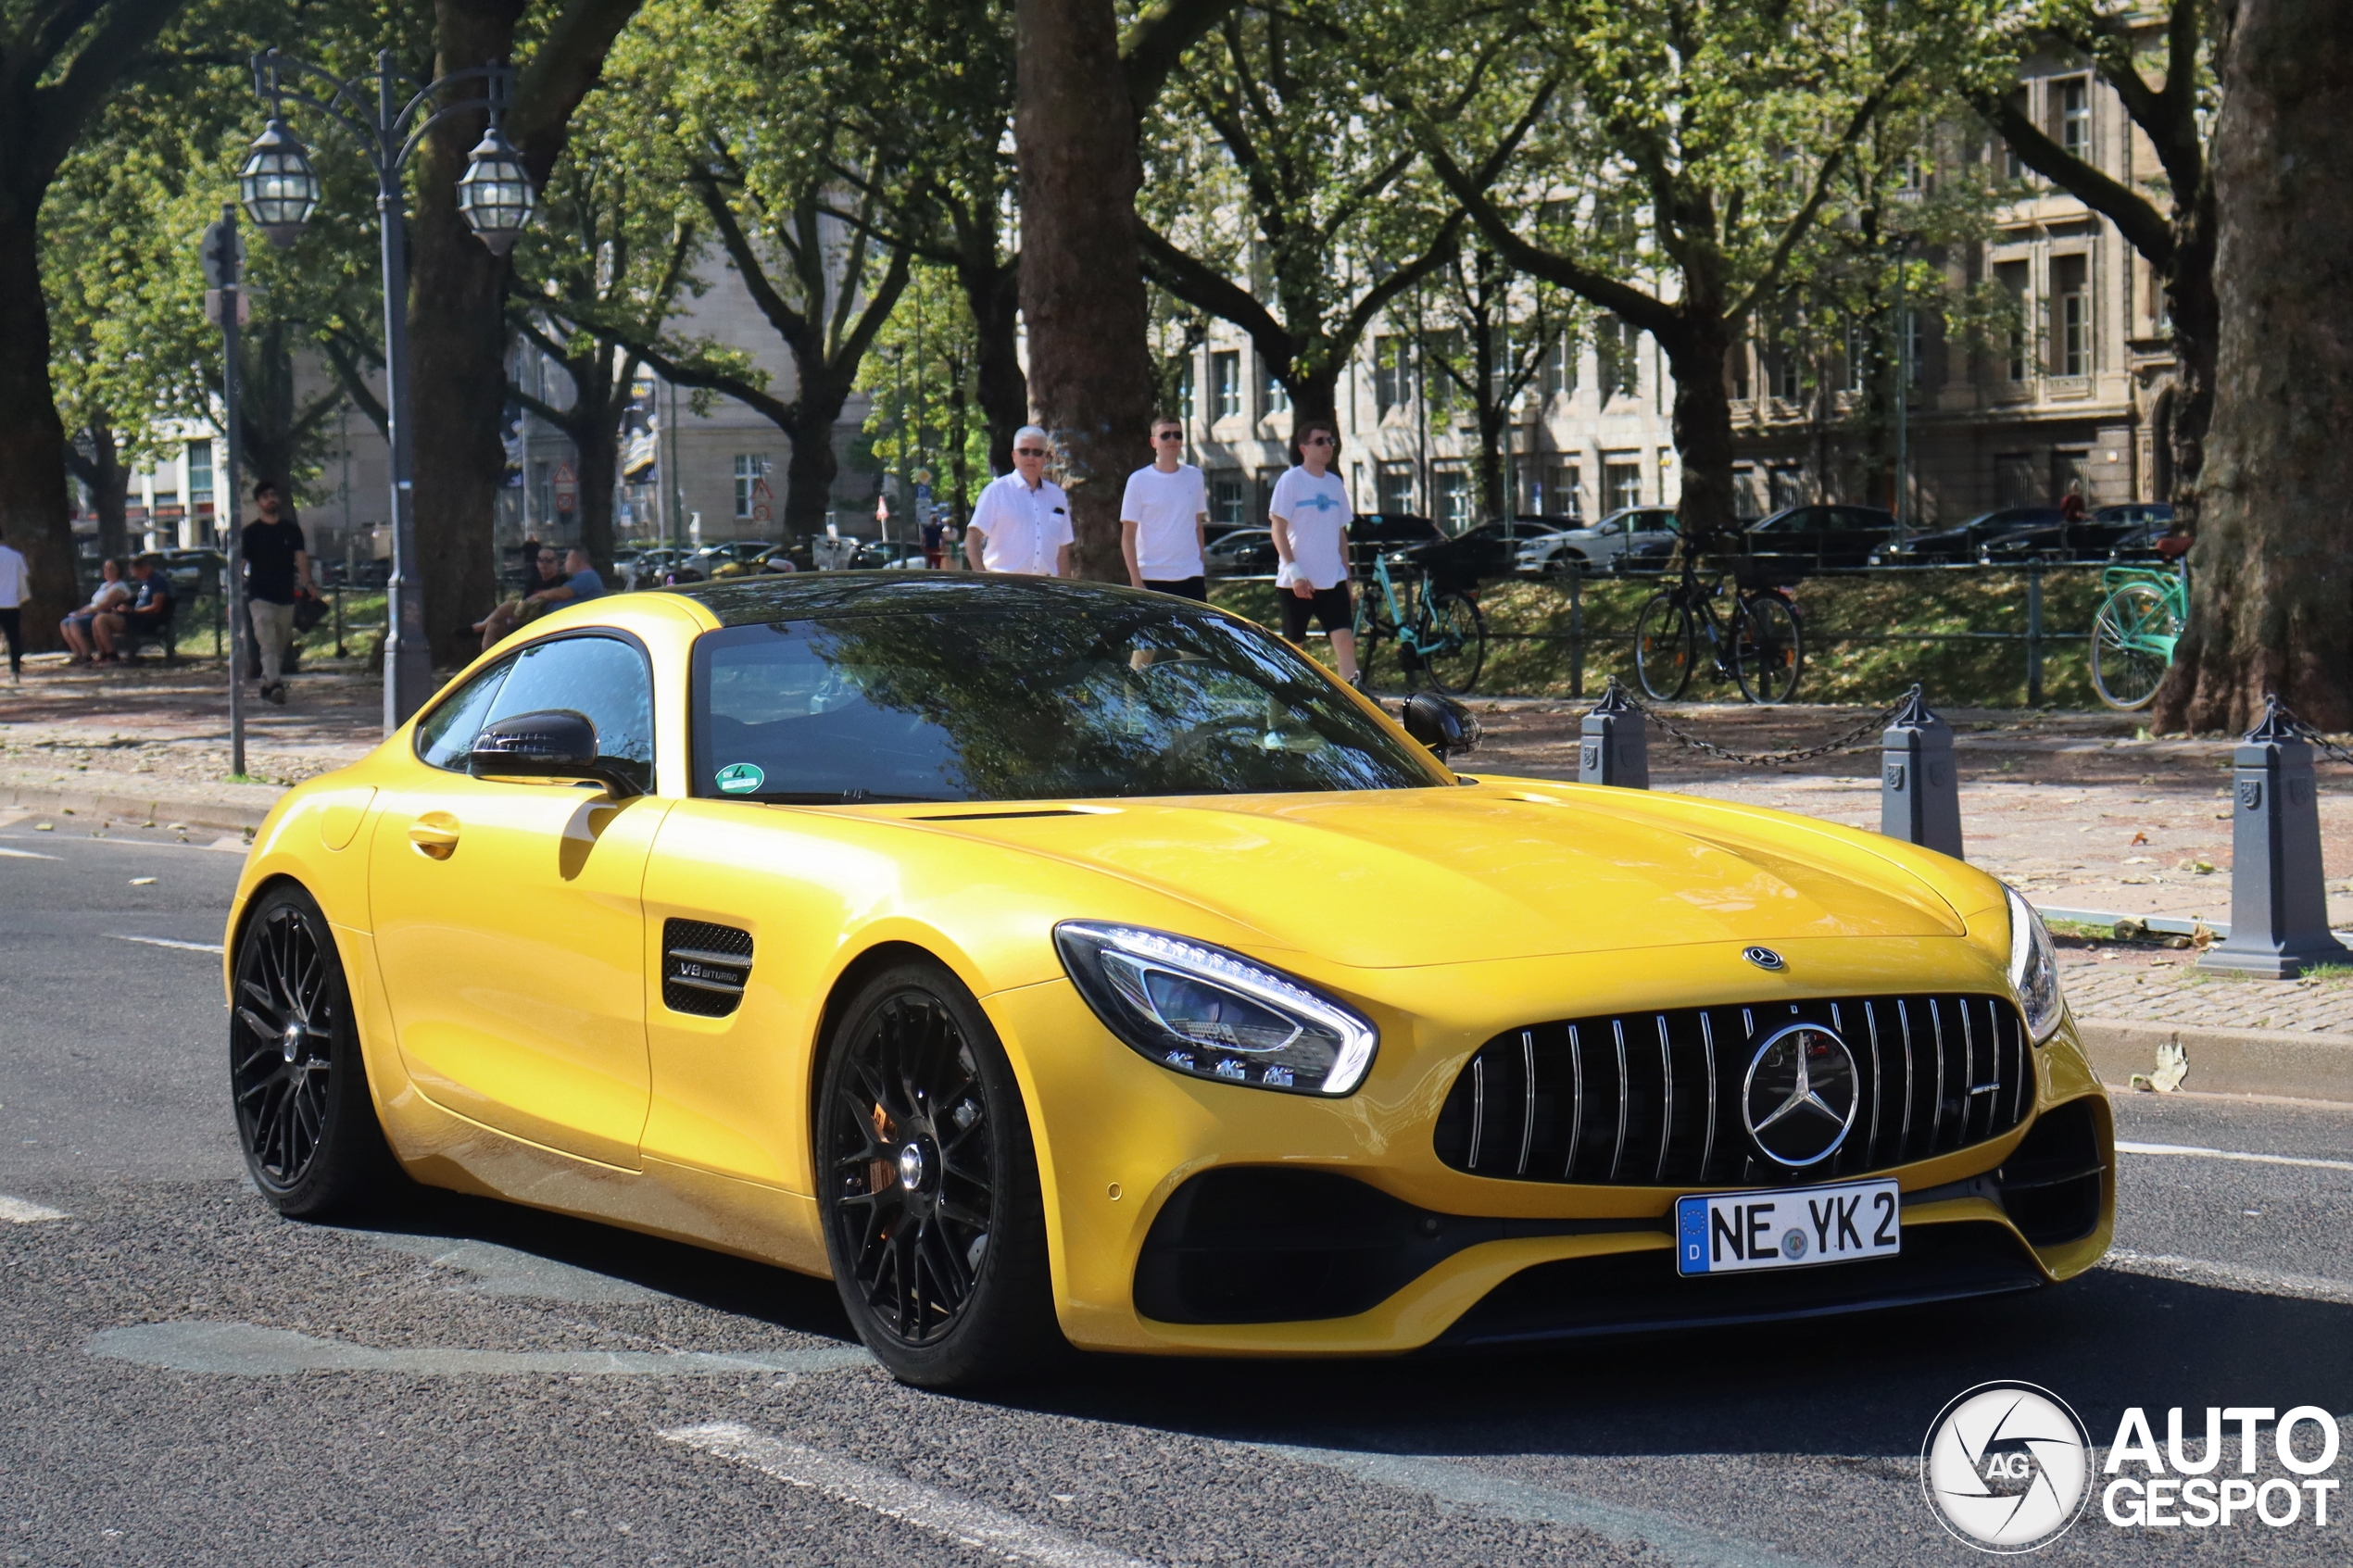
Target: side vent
[704,967]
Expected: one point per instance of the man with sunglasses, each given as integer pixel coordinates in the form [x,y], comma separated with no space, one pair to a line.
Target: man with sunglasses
[1022,521]
[1164,520]
[1310,515]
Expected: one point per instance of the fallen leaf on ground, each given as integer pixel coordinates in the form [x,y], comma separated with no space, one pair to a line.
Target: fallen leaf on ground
[2140,838]
[142,881]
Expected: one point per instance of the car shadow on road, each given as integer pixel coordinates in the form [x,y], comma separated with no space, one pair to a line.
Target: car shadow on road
[725,1284]
[1866,1385]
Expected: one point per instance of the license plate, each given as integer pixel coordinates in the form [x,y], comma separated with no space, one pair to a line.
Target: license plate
[1722,1233]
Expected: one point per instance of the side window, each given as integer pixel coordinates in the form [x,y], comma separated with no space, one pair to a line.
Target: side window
[446,736]
[602,677]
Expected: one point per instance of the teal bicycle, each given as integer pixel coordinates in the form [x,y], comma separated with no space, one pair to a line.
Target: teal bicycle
[1439,631]
[2135,631]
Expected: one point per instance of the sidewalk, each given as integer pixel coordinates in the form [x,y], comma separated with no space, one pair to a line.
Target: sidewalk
[2071,809]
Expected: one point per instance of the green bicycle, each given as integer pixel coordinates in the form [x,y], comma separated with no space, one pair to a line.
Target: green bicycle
[2135,631]
[1437,630]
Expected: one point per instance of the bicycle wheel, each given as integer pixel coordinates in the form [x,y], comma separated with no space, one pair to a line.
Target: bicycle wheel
[1371,627]
[1458,632]
[1768,650]
[1665,648]
[2133,638]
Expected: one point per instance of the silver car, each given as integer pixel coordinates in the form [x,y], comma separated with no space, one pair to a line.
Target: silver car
[1598,547]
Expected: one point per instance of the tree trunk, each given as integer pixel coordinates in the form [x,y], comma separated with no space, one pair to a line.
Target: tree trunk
[266,411]
[595,445]
[36,515]
[994,294]
[109,479]
[808,473]
[2194,308]
[1082,284]
[2272,573]
[456,354]
[1703,423]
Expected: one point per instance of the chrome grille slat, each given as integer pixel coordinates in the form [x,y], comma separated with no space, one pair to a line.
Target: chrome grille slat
[1908,1059]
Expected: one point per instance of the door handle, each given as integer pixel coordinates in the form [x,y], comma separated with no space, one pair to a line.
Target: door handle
[434,835]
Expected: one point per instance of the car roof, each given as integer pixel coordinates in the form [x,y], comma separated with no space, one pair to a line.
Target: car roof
[748,601]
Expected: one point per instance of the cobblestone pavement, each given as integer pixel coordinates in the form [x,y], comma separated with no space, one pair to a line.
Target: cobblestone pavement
[2078,810]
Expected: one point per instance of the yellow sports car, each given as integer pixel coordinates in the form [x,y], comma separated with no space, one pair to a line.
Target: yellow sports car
[1048,962]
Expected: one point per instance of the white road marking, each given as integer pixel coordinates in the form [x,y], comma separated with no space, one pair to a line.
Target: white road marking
[2195,1152]
[2230,1276]
[18,1212]
[167,942]
[895,1496]
[1667,1539]
[244,1349]
[25,854]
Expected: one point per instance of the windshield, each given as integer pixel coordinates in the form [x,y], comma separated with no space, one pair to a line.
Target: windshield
[1026,704]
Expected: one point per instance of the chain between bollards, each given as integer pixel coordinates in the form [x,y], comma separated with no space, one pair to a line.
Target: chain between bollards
[1845,740]
[2278,713]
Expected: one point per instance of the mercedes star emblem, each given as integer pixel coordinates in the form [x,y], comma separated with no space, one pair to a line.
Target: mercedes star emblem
[1763,958]
[1801,1095]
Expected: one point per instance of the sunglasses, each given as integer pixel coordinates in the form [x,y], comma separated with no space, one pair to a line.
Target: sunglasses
[1168,435]
[1030,452]
[1317,441]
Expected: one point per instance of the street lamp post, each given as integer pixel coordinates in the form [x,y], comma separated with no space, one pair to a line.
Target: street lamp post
[281,191]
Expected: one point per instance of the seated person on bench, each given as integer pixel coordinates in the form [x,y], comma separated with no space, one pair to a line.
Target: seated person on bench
[145,618]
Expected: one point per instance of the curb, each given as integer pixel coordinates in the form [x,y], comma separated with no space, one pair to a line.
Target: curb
[227,815]
[2289,1063]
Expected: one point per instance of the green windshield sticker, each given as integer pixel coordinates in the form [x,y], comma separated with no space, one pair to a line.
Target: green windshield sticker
[739,778]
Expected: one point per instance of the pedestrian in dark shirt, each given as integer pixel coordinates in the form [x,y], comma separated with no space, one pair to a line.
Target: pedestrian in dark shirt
[275,564]
[935,542]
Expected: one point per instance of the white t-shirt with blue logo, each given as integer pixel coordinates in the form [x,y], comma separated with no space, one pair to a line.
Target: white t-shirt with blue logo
[1318,515]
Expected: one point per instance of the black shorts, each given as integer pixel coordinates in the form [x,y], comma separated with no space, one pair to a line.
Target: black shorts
[1182,587]
[1331,605]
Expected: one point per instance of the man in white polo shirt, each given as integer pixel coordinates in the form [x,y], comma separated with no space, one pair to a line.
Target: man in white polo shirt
[1022,521]
[1164,520]
[1310,513]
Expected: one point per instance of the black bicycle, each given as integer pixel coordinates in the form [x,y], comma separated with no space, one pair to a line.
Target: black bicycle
[1756,642]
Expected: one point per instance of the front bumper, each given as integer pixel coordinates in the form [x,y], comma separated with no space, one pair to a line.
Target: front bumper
[1192,1217]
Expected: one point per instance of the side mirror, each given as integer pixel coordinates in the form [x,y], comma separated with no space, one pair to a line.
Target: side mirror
[558,743]
[1440,723]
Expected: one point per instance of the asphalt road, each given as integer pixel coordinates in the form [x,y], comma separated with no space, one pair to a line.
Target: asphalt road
[186,1378]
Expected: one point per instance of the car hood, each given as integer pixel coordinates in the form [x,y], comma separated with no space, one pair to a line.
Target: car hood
[1389,879]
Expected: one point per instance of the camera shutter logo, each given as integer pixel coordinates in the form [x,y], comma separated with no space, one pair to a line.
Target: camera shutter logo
[2005,1467]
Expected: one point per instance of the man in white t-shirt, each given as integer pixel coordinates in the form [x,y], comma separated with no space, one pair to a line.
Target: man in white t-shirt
[15,585]
[1311,514]
[1164,520]
[1022,521]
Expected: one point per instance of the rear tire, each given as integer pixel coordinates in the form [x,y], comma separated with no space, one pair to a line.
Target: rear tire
[927,1187]
[305,1120]
[1665,648]
[1454,668]
[1768,650]
[2125,671]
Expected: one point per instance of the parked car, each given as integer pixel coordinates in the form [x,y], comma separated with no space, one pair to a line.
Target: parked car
[1811,537]
[1971,539]
[1623,531]
[1241,552]
[194,571]
[1492,549]
[2097,537]
[647,568]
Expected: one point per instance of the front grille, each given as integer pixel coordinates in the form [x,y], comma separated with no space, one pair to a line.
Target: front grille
[1654,1099]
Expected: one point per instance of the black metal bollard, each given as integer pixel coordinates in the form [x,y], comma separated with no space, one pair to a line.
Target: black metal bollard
[1612,748]
[2279,907]
[1920,791]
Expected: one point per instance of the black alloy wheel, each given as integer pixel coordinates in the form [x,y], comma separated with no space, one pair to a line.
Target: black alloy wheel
[305,1118]
[929,1187]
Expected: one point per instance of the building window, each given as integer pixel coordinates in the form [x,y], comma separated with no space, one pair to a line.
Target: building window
[1185,391]
[2072,106]
[2071,307]
[1396,480]
[1561,497]
[1227,504]
[1915,347]
[1789,374]
[1225,384]
[1859,359]
[1618,345]
[1276,397]
[199,473]
[751,469]
[2011,275]
[1451,489]
[1621,482]
[1390,384]
[543,491]
[1559,371]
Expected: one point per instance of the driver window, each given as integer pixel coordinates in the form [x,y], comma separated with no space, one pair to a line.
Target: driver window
[446,736]
[601,677]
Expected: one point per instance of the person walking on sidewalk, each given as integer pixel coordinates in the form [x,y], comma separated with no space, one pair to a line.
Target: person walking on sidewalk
[12,596]
[275,563]
[1311,514]
[1164,520]
[1022,521]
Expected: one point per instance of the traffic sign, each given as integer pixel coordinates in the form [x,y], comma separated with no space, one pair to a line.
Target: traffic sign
[567,488]
[224,257]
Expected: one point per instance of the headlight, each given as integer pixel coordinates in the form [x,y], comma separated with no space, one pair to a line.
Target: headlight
[2033,968]
[1210,1014]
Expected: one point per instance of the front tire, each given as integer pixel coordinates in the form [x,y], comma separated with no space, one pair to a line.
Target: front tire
[1768,650]
[305,1118]
[1455,663]
[1665,648]
[928,1189]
